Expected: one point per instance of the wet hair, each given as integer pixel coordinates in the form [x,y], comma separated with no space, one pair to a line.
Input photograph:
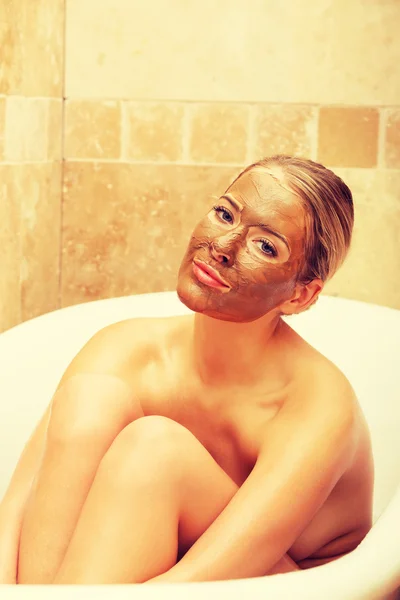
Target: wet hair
[328,203]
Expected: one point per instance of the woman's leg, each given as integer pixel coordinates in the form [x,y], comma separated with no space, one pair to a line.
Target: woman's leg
[88,412]
[156,491]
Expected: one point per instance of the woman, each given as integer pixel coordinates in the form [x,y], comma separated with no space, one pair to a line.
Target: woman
[215,445]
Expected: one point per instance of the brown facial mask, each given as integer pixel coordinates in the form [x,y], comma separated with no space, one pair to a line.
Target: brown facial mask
[260,268]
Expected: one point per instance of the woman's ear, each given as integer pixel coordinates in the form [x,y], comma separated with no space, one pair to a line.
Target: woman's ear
[304,296]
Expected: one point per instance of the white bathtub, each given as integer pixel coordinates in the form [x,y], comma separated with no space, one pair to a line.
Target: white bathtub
[362,339]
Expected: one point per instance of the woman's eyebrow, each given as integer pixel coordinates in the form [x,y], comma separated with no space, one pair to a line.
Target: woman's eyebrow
[233,202]
[273,232]
[267,228]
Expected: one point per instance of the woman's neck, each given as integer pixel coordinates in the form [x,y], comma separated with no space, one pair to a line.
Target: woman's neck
[233,353]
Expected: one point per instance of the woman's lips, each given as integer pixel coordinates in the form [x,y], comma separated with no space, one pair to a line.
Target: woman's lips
[209,276]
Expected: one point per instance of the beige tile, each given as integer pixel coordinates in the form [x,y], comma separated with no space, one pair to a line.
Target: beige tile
[54,129]
[348,137]
[10,287]
[154,131]
[219,133]
[32,36]
[40,238]
[11,64]
[392,139]
[14,131]
[26,129]
[371,271]
[126,227]
[92,129]
[2,125]
[285,129]
[266,54]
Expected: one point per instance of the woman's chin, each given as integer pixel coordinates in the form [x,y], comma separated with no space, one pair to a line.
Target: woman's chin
[190,295]
[195,298]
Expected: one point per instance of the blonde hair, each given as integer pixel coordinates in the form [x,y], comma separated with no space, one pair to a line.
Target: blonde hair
[328,203]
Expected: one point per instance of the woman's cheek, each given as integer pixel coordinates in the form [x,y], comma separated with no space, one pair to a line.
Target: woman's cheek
[270,282]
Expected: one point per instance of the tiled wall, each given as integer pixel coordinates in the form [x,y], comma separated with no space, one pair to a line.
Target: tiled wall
[164,106]
[31,76]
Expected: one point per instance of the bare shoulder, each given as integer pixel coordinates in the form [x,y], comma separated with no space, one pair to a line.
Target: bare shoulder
[136,333]
[318,381]
[326,397]
[340,399]
[120,349]
[314,373]
[321,395]
[128,329]
[137,339]
[330,386]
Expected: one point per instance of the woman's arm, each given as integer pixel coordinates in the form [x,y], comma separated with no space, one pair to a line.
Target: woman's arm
[98,355]
[370,572]
[14,500]
[307,448]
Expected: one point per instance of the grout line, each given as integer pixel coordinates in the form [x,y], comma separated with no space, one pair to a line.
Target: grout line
[189,163]
[16,163]
[47,130]
[165,163]
[242,102]
[36,97]
[6,132]
[383,117]
[227,101]
[179,163]
[315,145]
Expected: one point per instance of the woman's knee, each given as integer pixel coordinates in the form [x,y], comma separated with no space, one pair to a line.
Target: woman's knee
[88,405]
[150,448]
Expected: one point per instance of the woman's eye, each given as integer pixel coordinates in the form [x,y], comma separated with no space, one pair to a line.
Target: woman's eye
[223,214]
[267,248]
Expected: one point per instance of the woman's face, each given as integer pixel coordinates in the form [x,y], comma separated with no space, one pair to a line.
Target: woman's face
[254,238]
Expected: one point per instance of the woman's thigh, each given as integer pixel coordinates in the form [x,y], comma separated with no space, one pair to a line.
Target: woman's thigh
[168,455]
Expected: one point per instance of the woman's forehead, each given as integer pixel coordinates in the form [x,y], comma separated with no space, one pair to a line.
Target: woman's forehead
[267,194]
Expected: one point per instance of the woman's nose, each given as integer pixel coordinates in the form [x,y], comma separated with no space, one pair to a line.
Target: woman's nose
[221,257]
[224,248]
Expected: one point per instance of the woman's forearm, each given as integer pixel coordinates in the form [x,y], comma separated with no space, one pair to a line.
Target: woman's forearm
[284,565]
[12,509]
[10,529]
[12,506]
[8,559]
